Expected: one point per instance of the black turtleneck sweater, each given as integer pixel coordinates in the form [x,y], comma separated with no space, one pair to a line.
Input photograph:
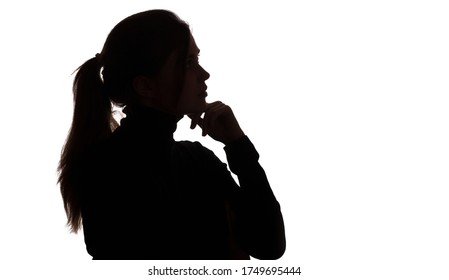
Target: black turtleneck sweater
[146,196]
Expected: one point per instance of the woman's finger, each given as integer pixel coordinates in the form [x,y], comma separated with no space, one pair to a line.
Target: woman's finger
[211,115]
[209,109]
[195,120]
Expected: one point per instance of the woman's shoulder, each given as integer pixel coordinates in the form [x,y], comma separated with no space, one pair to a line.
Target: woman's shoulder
[194,149]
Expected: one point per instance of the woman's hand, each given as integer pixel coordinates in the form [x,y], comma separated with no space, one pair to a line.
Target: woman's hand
[218,122]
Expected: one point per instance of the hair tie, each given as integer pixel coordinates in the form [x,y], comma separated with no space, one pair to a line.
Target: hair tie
[98,57]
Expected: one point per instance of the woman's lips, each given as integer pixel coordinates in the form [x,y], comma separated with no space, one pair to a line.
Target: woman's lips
[204,92]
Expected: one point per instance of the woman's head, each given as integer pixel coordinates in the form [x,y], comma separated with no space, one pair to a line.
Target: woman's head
[140,45]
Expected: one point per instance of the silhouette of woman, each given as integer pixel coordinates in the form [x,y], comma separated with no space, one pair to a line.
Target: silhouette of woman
[137,193]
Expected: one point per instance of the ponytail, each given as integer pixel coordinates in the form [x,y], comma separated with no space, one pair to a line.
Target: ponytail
[92,122]
[138,45]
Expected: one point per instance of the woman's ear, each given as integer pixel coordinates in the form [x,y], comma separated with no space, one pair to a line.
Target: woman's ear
[144,86]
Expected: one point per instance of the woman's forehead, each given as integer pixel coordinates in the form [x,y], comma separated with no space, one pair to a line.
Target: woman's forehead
[193,48]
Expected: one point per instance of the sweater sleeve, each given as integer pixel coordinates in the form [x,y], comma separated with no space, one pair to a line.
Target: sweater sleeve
[260,224]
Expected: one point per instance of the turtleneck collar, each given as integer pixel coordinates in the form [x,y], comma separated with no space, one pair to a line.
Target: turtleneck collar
[149,121]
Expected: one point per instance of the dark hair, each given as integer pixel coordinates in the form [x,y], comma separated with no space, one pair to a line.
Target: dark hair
[138,45]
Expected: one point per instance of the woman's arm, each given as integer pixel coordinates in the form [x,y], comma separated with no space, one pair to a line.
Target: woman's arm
[259,219]
[260,225]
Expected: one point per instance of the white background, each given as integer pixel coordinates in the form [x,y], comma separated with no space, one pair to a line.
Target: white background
[346,101]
